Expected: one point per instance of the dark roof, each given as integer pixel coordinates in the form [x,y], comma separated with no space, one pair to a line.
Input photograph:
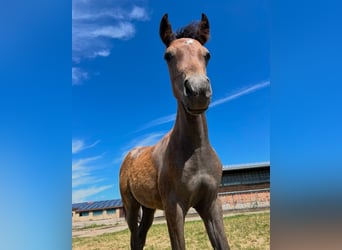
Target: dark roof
[97,205]
[246,166]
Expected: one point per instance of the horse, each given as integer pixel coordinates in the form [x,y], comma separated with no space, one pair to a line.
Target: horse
[182,170]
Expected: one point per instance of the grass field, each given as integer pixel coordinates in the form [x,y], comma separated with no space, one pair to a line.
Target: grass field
[245,232]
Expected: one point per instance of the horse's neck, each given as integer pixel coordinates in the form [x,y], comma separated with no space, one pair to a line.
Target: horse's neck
[192,130]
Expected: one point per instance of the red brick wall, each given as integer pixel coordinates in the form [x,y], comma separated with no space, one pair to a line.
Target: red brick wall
[245,200]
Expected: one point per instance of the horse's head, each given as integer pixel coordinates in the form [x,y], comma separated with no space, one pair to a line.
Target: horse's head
[187,60]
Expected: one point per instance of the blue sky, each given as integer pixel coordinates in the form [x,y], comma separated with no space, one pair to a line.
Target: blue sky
[121,92]
[304,102]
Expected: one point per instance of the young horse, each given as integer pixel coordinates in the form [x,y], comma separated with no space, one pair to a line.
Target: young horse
[181,170]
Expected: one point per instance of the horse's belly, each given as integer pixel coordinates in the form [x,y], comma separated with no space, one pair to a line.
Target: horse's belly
[143,181]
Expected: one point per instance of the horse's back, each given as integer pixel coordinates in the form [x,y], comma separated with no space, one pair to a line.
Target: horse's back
[139,177]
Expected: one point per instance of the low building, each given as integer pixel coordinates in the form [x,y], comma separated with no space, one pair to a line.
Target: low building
[243,186]
[109,209]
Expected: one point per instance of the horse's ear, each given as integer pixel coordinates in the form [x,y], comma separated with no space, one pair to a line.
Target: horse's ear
[203,30]
[165,31]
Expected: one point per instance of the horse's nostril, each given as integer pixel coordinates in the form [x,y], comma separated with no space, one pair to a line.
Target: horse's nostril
[187,87]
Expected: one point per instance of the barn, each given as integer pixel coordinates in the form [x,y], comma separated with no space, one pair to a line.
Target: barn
[243,186]
[109,209]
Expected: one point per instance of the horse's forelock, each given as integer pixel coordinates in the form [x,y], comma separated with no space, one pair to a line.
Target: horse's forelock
[198,30]
[189,31]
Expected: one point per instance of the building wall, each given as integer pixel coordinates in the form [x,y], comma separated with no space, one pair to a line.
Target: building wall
[248,199]
[239,189]
[231,200]
[93,215]
[236,200]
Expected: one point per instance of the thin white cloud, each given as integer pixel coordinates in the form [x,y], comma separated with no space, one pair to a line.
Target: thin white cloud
[92,40]
[83,171]
[138,13]
[240,93]
[144,140]
[95,27]
[147,140]
[85,11]
[119,159]
[82,195]
[88,15]
[103,53]
[123,30]
[79,145]
[78,76]
[159,121]
[172,117]
[81,167]
[87,178]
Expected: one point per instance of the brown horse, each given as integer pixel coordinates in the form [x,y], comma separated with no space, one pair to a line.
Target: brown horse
[182,170]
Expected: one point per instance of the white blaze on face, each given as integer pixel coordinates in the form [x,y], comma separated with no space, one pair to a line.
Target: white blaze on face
[189,41]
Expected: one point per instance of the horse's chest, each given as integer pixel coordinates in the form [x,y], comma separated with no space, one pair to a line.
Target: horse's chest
[202,165]
[200,175]
[196,187]
[200,182]
[190,176]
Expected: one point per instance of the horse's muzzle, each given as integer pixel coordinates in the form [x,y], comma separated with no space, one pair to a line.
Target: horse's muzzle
[197,93]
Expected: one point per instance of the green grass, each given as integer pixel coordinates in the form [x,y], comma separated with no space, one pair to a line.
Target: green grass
[245,232]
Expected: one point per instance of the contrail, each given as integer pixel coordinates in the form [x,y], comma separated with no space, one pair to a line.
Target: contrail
[172,117]
[240,93]
[159,121]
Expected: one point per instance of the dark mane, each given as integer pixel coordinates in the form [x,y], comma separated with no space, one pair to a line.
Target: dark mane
[189,31]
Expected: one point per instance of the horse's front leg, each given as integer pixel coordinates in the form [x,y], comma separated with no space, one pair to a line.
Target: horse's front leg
[213,220]
[175,223]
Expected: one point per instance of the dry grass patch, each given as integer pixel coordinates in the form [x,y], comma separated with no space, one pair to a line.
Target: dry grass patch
[245,232]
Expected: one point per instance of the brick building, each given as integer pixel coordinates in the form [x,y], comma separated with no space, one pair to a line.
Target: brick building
[243,186]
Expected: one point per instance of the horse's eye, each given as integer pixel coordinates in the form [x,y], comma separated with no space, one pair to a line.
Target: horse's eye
[207,56]
[167,56]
